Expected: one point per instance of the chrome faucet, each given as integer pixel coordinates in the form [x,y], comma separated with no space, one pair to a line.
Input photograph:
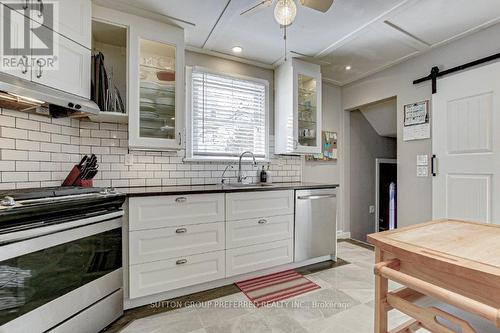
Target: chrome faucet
[240,178]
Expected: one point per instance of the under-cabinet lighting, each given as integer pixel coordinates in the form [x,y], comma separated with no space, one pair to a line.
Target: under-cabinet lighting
[237,49]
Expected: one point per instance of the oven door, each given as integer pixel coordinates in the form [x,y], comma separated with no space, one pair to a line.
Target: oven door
[52,275]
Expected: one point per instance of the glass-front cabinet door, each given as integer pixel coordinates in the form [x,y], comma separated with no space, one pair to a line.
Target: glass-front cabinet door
[155,122]
[307,115]
[157,90]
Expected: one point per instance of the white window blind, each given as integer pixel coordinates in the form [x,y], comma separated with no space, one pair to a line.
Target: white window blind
[228,117]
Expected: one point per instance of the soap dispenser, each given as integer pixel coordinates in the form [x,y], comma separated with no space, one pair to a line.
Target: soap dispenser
[263,175]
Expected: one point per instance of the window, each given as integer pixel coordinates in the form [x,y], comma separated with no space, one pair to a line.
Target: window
[227,115]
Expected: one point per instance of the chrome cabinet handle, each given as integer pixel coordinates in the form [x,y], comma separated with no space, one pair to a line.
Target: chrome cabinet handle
[180,139]
[181,261]
[25,70]
[181,231]
[40,68]
[262,221]
[26,4]
[314,197]
[181,199]
[40,14]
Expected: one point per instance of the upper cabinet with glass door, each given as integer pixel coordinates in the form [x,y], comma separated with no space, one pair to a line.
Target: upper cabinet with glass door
[298,108]
[155,120]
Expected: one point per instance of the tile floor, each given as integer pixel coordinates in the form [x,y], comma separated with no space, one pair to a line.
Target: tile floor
[344,304]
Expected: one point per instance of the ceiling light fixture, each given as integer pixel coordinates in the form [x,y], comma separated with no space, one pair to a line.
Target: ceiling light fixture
[347,68]
[237,49]
[285,12]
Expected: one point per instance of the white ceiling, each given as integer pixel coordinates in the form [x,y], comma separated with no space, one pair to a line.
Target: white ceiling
[368,35]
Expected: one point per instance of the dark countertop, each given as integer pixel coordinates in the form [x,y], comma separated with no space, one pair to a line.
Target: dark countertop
[200,189]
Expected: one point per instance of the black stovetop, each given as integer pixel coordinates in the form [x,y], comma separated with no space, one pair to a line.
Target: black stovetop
[48,192]
[55,204]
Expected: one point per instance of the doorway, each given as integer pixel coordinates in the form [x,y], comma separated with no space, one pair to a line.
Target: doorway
[372,186]
[386,174]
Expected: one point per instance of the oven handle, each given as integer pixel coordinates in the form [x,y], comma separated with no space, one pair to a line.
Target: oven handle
[18,236]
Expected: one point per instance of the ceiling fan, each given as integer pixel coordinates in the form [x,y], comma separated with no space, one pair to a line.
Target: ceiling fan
[286,10]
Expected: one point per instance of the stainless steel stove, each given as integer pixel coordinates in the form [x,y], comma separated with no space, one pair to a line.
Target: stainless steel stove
[60,259]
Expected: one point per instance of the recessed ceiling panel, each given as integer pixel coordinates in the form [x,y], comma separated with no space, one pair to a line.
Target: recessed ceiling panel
[202,13]
[312,32]
[437,21]
[374,48]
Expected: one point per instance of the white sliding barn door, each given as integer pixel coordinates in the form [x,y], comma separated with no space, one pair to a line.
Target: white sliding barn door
[466,142]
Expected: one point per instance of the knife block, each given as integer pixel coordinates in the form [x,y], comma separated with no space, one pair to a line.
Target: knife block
[73,179]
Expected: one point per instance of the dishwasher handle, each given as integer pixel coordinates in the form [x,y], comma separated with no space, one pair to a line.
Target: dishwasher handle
[317,196]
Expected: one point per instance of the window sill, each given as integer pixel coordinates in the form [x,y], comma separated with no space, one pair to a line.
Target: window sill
[245,159]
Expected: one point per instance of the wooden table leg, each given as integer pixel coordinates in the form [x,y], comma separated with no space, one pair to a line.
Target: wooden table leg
[381,289]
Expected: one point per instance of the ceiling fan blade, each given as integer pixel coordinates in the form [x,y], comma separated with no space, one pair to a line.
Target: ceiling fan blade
[261,5]
[319,5]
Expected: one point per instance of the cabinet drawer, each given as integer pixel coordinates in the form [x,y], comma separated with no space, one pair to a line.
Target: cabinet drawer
[166,243]
[241,206]
[160,276]
[256,257]
[258,230]
[176,210]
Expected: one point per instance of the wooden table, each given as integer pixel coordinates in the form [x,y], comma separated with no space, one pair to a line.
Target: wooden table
[454,262]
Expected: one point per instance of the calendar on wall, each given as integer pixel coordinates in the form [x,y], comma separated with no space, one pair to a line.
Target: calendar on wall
[416,121]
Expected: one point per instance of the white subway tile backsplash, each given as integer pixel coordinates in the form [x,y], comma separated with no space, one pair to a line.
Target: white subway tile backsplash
[27,166]
[7,121]
[41,151]
[50,128]
[39,136]
[7,143]
[14,155]
[27,145]
[14,176]
[31,125]
[13,133]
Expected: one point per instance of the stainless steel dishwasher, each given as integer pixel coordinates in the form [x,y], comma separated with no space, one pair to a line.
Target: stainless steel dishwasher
[315,224]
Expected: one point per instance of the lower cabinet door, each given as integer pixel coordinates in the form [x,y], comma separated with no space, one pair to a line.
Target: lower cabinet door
[253,258]
[166,243]
[258,230]
[160,276]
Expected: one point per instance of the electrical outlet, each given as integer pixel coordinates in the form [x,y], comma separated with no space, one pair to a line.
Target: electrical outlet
[371,209]
[129,159]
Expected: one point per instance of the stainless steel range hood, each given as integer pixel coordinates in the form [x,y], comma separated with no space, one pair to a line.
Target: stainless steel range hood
[38,94]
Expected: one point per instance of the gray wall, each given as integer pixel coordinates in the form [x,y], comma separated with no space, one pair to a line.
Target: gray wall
[414,199]
[318,172]
[366,146]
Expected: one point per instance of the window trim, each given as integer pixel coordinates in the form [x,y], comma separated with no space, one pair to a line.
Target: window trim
[189,114]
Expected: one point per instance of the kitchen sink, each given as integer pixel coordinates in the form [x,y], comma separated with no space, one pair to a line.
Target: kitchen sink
[251,185]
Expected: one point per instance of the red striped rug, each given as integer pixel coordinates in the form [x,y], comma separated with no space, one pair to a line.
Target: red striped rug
[275,287]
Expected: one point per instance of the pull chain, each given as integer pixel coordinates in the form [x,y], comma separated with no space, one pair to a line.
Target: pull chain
[284,37]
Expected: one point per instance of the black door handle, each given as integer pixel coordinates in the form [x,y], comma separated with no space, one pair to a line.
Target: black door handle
[433,166]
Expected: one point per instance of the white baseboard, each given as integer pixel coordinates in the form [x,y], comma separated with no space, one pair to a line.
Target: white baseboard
[343,235]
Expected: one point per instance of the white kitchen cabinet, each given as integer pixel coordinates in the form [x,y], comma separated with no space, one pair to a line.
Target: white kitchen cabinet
[72,71]
[258,230]
[160,276]
[256,257]
[72,18]
[175,210]
[157,87]
[245,205]
[298,108]
[16,21]
[158,244]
